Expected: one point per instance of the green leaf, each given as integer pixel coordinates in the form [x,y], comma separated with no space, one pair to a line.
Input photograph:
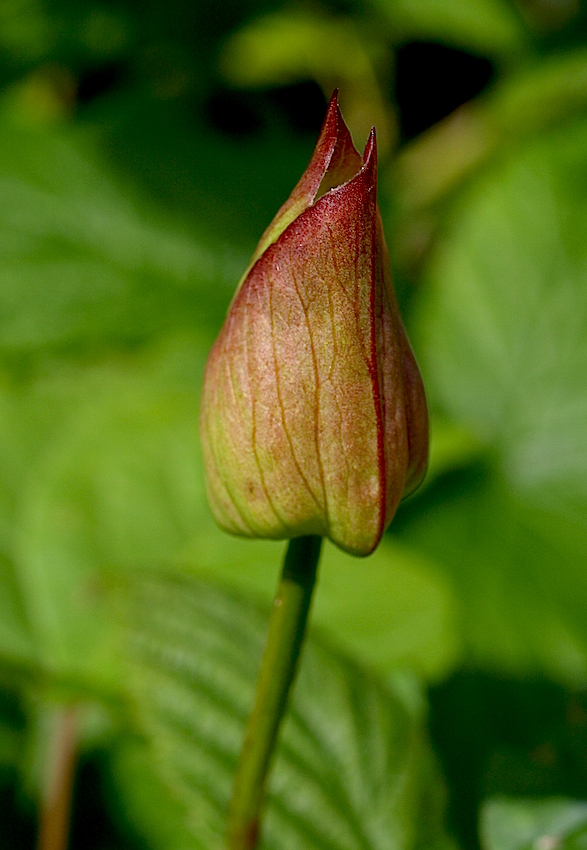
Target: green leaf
[146,802]
[12,723]
[502,336]
[10,746]
[20,431]
[85,261]
[552,824]
[427,172]
[286,47]
[393,608]
[505,347]
[31,31]
[352,769]
[516,573]
[118,481]
[487,26]
[230,187]
[452,447]
[16,642]
[26,31]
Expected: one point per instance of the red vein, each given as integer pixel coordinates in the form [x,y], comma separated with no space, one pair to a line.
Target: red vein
[281,405]
[316,402]
[254,428]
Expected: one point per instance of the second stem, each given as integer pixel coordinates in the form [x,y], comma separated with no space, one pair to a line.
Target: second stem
[278,668]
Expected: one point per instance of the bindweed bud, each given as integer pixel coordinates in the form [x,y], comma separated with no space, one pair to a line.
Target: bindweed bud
[314,417]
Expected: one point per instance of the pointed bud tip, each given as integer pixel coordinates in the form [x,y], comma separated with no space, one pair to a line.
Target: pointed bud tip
[332,121]
[333,107]
[369,169]
[370,152]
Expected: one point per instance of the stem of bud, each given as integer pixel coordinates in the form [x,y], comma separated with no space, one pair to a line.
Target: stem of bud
[278,668]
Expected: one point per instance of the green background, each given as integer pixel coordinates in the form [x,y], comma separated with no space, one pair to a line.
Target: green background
[143,150]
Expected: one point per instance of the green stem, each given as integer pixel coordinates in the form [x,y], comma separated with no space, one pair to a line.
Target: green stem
[278,668]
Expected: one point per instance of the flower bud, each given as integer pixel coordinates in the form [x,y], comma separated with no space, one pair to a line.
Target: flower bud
[313,415]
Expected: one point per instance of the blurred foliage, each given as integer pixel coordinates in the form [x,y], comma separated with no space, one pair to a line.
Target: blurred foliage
[507,825]
[287,48]
[142,153]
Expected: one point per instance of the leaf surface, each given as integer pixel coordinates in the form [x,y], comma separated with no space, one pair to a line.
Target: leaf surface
[352,768]
[502,330]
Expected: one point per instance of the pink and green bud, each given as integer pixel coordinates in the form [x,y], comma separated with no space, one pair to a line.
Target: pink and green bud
[314,417]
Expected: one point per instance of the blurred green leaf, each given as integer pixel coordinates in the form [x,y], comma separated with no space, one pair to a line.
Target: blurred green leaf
[505,346]
[555,824]
[392,609]
[288,47]
[451,447]
[487,26]
[538,97]
[117,482]
[519,590]
[33,30]
[502,330]
[10,745]
[19,435]
[16,643]
[11,731]
[26,30]
[146,802]
[85,261]
[229,182]
[352,769]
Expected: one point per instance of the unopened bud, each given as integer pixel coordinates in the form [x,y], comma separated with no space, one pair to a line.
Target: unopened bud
[314,417]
